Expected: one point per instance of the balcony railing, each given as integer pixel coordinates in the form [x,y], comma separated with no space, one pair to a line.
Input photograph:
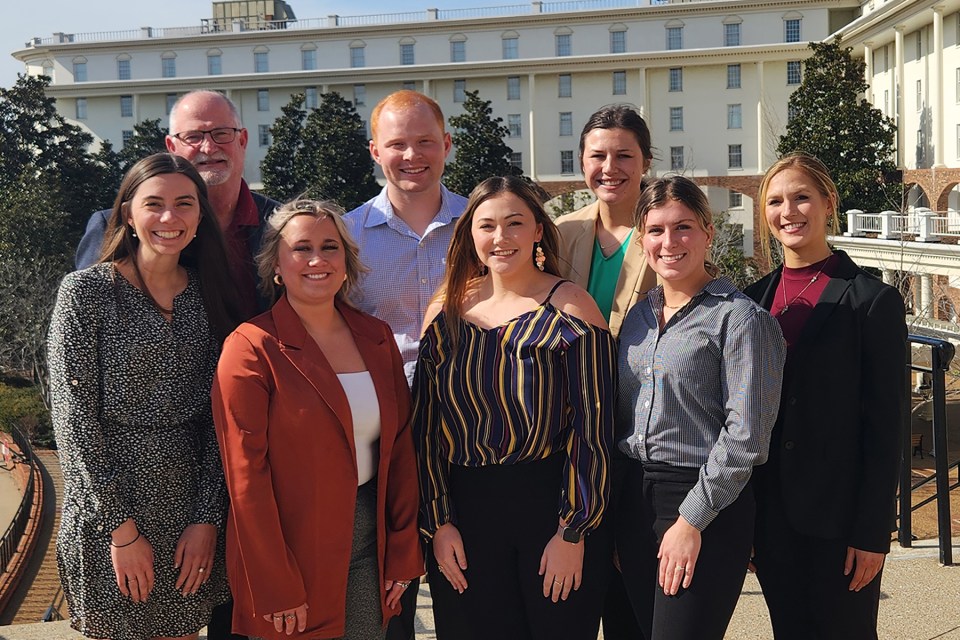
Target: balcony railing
[923,224]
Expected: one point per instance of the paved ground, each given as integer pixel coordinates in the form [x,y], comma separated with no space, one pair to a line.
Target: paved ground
[920,602]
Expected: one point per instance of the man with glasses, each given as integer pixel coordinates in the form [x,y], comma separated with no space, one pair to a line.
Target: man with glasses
[205,129]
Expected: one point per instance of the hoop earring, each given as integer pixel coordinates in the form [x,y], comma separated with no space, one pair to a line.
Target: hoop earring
[277,280]
[538,256]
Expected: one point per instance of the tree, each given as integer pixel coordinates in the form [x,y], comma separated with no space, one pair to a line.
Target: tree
[481,152]
[833,121]
[727,252]
[324,156]
[281,180]
[148,138]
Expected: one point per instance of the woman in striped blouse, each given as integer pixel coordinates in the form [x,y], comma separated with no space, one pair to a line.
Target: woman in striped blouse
[513,418]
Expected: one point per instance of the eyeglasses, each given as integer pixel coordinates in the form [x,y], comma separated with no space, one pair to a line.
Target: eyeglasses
[220,135]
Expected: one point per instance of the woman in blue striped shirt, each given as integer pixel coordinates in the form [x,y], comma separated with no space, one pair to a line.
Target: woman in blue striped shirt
[700,369]
[513,418]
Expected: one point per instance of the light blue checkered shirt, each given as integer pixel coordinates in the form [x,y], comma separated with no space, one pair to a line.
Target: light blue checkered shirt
[405,268]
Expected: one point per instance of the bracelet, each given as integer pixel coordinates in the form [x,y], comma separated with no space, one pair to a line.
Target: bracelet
[121,546]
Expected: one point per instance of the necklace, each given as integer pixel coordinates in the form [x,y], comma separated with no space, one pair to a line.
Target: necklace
[679,306]
[616,241]
[786,305]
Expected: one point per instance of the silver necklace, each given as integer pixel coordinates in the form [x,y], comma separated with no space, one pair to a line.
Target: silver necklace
[786,305]
[616,241]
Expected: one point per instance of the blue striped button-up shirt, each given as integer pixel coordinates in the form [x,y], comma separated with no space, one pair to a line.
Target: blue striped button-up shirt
[703,392]
[405,268]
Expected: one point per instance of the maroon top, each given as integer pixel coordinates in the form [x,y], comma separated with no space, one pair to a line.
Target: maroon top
[235,236]
[797,294]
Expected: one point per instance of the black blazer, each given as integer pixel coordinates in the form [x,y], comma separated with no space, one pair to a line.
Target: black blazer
[835,452]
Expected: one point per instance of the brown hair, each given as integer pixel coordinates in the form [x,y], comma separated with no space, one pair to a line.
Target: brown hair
[270,246]
[619,116]
[817,172]
[205,253]
[405,99]
[678,189]
[464,267]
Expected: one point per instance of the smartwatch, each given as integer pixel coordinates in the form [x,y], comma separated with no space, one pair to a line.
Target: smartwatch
[569,534]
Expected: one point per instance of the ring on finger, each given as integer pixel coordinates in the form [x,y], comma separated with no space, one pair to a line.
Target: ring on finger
[559,582]
[679,569]
[201,569]
[290,616]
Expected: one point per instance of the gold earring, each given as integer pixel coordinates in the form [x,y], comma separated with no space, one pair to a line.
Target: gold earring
[277,280]
[539,258]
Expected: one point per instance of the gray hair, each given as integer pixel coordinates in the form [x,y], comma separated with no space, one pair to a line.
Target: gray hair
[213,94]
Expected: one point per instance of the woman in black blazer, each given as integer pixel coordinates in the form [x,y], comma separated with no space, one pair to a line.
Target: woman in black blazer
[826,497]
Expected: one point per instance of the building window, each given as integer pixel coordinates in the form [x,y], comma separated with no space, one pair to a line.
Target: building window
[80,71]
[676,79]
[733,76]
[48,69]
[958,141]
[308,59]
[566,123]
[81,106]
[619,83]
[564,46]
[734,116]
[459,90]
[406,53]
[126,106]
[458,51]
[919,43]
[359,95]
[618,42]
[735,156]
[125,137]
[409,85]
[171,100]
[513,125]
[731,35]
[511,48]
[676,158]
[261,62]
[513,87]
[311,99]
[957,88]
[792,112]
[674,38]
[676,118]
[263,135]
[565,85]
[886,102]
[516,160]
[794,75]
[358,57]
[791,30]
[263,100]
[735,200]
[168,66]
[365,127]
[123,69]
[566,162]
[919,95]
[214,64]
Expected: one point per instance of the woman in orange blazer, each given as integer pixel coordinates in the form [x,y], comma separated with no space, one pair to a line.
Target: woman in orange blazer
[312,413]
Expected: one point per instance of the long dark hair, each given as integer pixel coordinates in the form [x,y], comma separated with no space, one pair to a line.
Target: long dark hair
[206,253]
[463,264]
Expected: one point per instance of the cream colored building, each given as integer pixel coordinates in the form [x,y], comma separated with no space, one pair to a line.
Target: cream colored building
[712,77]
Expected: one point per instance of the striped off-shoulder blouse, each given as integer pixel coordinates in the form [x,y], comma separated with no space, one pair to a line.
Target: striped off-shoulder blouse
[541,383]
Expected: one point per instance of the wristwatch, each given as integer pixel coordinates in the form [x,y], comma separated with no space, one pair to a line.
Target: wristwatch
[569,534]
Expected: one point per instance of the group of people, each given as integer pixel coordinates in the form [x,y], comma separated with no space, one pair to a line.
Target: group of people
[273,419]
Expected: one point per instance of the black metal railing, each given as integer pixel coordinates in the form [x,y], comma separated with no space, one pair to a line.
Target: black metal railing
[941,353]
[11,538]
[52,614]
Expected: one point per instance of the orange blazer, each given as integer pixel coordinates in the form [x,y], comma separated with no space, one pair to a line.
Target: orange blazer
[286,436]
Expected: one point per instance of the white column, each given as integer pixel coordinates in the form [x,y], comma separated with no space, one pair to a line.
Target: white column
[926,296]
[889,277]
[898,96]
[936,89]
[868,72]
[641,94]
[426,88]
[761,107]
[532,125]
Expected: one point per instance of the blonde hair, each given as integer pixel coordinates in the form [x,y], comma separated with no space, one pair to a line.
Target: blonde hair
[267,258]
[817,172]
[401,100]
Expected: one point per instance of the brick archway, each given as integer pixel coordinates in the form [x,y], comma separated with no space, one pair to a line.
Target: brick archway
[936,183]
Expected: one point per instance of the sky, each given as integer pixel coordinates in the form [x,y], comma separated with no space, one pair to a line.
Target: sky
[43,17]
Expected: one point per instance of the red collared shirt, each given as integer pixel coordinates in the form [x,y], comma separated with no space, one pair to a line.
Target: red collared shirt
[236,236]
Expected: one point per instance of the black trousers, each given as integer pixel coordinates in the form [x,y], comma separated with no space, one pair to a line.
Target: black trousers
[506,514]
[652,496]
[221,621]
[401,627]
[803,583]
[618,620]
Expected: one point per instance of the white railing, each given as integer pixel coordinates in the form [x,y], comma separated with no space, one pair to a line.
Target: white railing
[924,224]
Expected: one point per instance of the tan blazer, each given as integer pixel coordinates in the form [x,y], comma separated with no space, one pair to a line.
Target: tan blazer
[578,234]
[286,437]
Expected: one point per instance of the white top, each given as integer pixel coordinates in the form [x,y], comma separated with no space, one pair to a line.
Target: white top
[362,396]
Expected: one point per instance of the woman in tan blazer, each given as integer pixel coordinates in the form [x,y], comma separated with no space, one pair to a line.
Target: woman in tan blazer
[601,253]
[312,411]
[598,247]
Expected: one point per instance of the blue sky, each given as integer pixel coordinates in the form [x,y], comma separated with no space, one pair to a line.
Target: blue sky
[44,17]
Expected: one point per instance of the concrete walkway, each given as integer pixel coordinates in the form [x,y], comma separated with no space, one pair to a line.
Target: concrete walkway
[921,601]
